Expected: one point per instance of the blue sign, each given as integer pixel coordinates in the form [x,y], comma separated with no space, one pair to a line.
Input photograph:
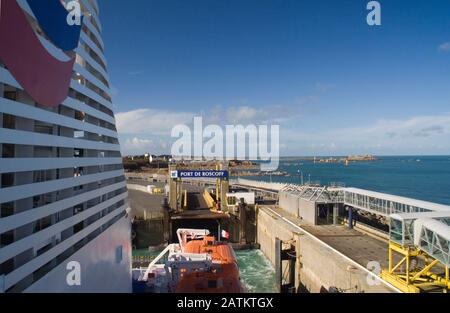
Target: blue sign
[198,174]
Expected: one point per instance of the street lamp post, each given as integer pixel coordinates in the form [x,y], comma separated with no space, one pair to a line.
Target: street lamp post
[301,176]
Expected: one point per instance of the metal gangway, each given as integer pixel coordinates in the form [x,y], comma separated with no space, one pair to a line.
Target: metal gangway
[423,239]
[386,205]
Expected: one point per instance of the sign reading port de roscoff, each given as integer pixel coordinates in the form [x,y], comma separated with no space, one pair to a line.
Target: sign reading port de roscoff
[198,174]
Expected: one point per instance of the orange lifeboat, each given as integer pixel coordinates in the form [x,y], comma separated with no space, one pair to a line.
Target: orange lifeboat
[197,264]
[221,277]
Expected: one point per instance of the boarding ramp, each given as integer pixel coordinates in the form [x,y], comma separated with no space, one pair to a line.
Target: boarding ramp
[423,241]
[386,205]
[433,237]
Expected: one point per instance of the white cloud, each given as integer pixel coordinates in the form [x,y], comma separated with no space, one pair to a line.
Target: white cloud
[148,130]
[161,122]
[444,47]
[138,144]
[150,121]
[415,135]
[412,128]
[242,114]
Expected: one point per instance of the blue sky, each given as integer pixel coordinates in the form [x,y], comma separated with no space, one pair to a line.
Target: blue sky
[335,85]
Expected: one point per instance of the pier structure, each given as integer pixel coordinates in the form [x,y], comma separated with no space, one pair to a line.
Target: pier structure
[328,238]
[414,258]
[339,239]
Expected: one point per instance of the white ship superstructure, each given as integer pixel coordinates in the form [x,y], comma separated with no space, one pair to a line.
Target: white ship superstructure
[63,192]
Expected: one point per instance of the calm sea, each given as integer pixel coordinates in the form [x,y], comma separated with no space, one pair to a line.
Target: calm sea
[419,177]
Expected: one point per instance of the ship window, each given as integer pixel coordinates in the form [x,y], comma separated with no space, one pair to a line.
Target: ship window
[78,209]
[42,176]
[9,121]
[7,180]
[7,238]
[119,254]
[43,128]
[42,224]
[78,188]
[11,95]
[43,152]
[78,227]
[6,268]
[42,200]
[78,153]
[7,209]
[212,284]
[78,171]
[8,151]
[44,249]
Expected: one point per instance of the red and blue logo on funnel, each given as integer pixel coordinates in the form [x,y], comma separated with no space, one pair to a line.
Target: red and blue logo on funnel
[44,77]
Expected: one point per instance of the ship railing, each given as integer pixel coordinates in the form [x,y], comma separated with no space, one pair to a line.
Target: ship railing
[160,256]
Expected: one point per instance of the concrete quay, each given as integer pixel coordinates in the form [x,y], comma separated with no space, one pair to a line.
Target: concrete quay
[328,258]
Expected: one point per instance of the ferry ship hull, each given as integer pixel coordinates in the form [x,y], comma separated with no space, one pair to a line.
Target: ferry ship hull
[102,269]
[64,218]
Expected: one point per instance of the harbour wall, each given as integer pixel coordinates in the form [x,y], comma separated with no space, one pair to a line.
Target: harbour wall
[318,267]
